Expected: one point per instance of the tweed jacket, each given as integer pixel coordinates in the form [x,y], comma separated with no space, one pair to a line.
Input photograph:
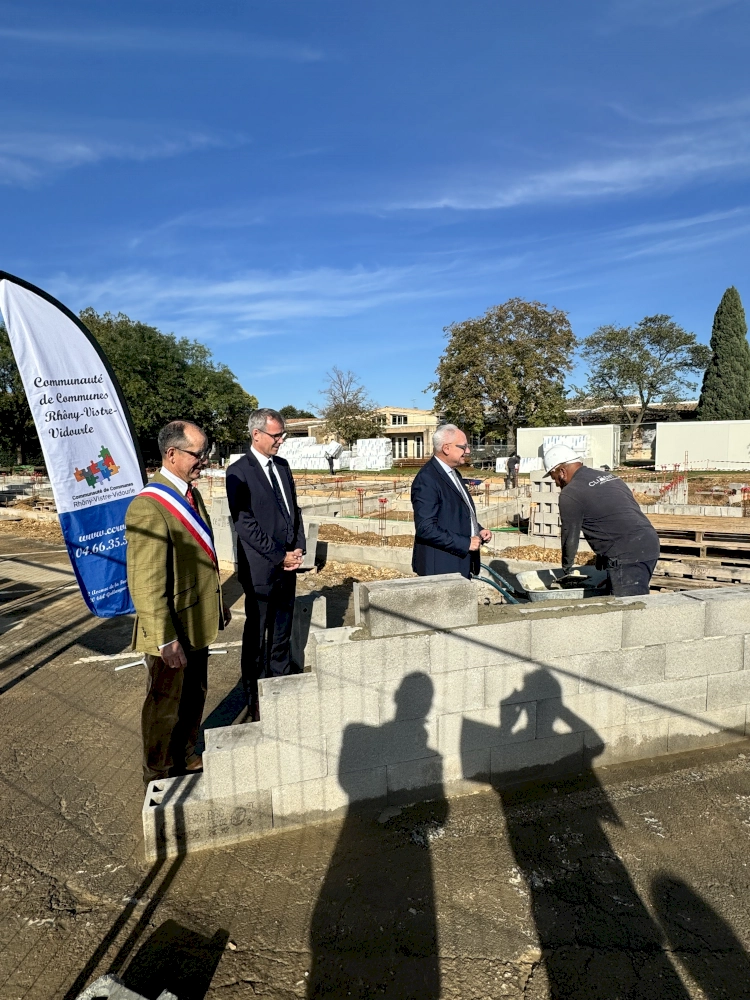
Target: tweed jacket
[173,582]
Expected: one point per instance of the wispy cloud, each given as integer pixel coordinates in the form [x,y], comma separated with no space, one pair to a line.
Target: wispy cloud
[122,39]
[660,13]
[665,164]
[256,303]
[27,156]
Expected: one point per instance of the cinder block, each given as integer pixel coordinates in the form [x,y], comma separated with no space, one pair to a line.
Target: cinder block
[665,618]
[727,609]
[457,691]
[593,710]
[696,657]
[293,708]
[408,777]
[362,747]
[397,607]
[367,662]
[306,801]
[520,681]
[620,669]
[267,762]
[181,815]
[728,690]
[480,646]
[629,742]
[490,727]
[556,755]
[663,699]
[715,729]
[585,633]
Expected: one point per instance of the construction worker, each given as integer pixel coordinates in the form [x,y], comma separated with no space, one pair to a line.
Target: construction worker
[600,505]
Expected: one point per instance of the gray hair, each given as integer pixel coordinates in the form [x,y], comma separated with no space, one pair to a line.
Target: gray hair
[444,433]
[173,435]
[258,419]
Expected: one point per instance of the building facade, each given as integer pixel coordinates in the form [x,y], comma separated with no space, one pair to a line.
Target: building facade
[409,429]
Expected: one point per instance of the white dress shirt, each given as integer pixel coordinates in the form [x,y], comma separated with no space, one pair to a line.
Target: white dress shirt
[452,474]
[264,460]
[179,483]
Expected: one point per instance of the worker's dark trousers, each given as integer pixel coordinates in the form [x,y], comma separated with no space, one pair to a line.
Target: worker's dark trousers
[631,579]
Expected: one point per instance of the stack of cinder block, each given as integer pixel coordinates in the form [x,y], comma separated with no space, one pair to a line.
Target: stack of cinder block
[422,701]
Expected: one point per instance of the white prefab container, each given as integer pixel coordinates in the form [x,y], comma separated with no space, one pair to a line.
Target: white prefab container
[707,444]
[601,447]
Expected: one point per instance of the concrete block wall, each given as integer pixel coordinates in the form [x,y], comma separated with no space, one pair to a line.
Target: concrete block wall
[541,691]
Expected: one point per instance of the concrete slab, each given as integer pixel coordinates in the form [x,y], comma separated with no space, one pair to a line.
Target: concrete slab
[416,604]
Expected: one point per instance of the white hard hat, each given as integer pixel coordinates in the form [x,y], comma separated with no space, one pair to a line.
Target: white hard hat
[559,454]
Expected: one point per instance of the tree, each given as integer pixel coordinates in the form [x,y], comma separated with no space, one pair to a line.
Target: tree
[349,413]
[725,394]
[505,369]
[641,365]
[292,413]
[18,439]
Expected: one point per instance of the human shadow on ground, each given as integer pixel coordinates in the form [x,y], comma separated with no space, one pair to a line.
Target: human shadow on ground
[374,930]
[597,938]
[176,959]
[701,941]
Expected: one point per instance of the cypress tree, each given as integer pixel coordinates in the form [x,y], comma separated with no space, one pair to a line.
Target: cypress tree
[725,393]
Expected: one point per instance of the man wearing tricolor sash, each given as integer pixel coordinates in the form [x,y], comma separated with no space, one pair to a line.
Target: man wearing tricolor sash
[174,581]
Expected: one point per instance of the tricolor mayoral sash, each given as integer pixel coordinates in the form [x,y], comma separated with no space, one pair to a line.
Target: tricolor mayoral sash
[178,507]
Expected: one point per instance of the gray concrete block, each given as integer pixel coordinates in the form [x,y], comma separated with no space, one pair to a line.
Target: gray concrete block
[728,690]
[110,987]
[368,662]
[415,604]
[522,761]
[181,815]
[293,708]
[727,609]
[633,741]
[623,668]
[715,729]
[311,545]
[698,657]
[263,764]
[323,798]
[663,618]
[585,633]
[593,710]
[362,747]
[521,681]
[457,691]
[423,777]
[479,646]
[490,727]
[664,698]
[309,619]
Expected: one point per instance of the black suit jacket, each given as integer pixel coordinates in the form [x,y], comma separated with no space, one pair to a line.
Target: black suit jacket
[258,521]
[442,525]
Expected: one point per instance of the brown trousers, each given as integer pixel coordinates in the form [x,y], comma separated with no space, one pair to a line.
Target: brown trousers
[172,713]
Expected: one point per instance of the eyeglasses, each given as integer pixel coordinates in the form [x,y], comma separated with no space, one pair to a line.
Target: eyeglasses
[200,456]
[463,447]
[276,437]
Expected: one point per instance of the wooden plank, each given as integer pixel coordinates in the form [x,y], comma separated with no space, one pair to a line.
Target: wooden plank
[685,522]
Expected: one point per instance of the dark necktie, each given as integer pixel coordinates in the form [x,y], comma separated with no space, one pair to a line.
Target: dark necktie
[279,495]
[191,499]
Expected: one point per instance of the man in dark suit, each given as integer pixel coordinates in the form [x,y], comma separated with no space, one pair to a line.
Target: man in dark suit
[448,535]
[271,543]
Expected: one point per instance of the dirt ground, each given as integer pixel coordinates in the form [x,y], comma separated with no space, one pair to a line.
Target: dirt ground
[627,881]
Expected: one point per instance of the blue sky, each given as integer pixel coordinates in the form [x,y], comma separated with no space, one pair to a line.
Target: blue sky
[303,184]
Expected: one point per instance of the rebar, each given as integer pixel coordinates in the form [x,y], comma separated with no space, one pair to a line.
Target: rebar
[382,518]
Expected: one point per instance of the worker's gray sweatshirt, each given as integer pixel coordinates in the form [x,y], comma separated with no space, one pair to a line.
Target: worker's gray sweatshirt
[602,506]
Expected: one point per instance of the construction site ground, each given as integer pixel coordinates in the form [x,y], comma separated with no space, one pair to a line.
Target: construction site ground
[627,881]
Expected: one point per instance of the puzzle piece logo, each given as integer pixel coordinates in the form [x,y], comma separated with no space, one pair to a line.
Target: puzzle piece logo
[97,472]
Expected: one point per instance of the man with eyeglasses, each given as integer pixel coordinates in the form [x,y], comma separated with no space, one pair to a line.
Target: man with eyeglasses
[448,534]
[174,581]
[271,543]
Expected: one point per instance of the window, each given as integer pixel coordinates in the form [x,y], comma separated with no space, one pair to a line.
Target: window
[400,447]
[398,419]
[418,447]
